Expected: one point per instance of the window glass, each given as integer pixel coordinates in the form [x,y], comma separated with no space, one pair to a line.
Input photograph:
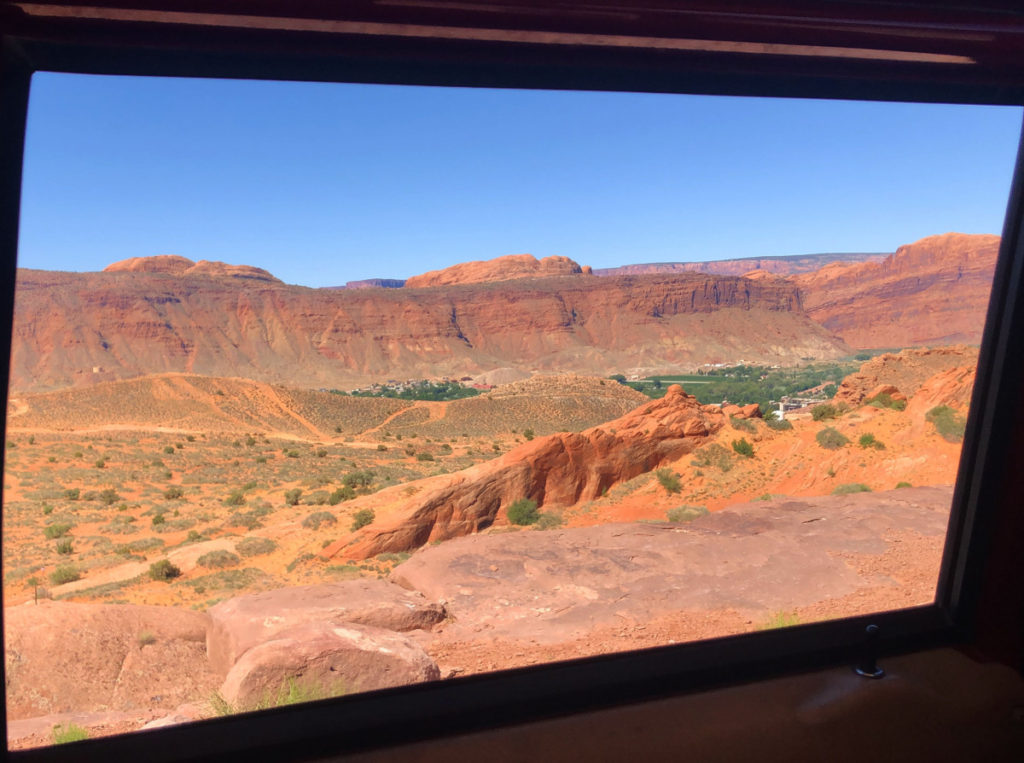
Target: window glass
[319,388]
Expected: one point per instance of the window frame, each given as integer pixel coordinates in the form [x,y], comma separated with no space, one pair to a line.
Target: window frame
[405,714]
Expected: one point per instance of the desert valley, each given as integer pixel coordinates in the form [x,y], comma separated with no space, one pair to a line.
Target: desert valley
[223,492]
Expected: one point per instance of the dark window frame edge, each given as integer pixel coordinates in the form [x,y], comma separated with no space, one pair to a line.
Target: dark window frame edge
[567,687]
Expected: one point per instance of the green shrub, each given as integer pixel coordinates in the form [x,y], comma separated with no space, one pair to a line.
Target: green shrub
[318,518]
[109,496]
[215,560]
[101,463]
[831,439]
[47,509]
[173,493]
[321,452]
[65,573]
[341,494]
[362,518]
[685,513]
[57,530]
[291,453]
[824,412]
[868,441]
[713,455]
[523,512]
[885,400]
[255,546]
[72,494]
[164,570]
[947,422]
[235,498]
[852,487]
[158,519]
[744,425]
[423,456]
[318,498]
[358,478]
[529,434]
[291,497]
[382,447]
[669,480]
[903,484]
[778,425]
[169,450]
[743,447]
[65,546]
[70,732]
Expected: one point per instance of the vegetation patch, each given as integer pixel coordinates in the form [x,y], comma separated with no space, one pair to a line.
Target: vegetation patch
[827,411]
[686,513]
[779,425]
[164,570]
[744,425]
[319,518]
[362,518]
[669,480]
[252,546]
[869,442]
[947,422]
[743,448]
[885,400]
[713,455]
[65,573]
[523,512]
[831,438]
[852,487]
[68,732]
[216,560]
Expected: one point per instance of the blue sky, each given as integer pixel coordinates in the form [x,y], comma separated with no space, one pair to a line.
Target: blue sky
[326,183]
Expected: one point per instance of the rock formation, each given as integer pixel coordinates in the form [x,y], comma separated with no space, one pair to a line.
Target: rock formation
[174,264]
[559,469]
[933,291]
[506,268]
[237,625]
[909,371]
[82,328]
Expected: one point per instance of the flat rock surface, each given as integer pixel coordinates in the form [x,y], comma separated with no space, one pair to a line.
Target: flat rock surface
[63,657]
[239,624]
[760,558]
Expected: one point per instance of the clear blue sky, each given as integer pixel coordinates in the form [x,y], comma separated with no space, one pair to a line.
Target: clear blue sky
[325,183]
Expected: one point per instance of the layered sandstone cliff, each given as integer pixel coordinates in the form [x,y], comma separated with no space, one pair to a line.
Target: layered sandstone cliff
[933,291]
[82,328]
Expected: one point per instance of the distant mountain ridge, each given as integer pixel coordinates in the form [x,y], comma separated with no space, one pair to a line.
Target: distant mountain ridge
[788,264]
[168,314]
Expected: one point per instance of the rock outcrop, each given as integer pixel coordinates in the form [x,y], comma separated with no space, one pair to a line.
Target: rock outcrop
[559,469]
[505,268]
[907,373]
[174,264]
[63,657]
[326,660]
[931,292]
[240,624]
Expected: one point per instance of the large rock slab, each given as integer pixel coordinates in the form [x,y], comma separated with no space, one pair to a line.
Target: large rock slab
[63,657]
[328,660]
[760,558]
[239,624]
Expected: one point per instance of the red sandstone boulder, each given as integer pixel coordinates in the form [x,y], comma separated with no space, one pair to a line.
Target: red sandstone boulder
[242,623]
[327,660]
[560,469]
